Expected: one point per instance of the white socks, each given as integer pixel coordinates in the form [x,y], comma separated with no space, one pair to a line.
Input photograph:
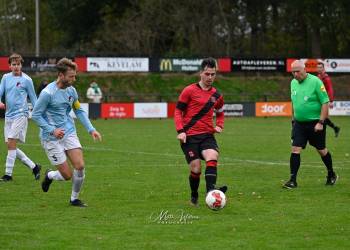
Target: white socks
[55,175]
[10,162]
[26,161]
[78,179]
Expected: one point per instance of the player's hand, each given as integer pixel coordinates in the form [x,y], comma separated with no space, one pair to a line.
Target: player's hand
[58,133]
[2,106]
[96,135]
[182,137]
[331,105]
[318,127]
[218,129]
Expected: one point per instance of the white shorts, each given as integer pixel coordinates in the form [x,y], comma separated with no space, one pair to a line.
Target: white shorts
[56,150]
[16,128]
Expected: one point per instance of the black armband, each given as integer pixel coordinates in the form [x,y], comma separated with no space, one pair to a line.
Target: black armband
[181,105]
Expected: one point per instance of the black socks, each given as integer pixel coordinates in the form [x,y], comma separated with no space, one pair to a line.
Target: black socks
[327,160]
[294,166]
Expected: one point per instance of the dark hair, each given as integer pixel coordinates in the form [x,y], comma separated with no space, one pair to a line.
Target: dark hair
[208,62]
[320,63]
[65,64]
[15,57]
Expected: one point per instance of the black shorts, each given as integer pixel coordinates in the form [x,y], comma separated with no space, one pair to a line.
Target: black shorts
[303,132]
[195,144]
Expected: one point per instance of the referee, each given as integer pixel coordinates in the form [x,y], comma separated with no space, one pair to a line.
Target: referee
[310,109]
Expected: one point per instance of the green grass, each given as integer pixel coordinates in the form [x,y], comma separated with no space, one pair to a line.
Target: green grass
[138,171]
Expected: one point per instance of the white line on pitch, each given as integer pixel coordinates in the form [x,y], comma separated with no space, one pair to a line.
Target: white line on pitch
[258,162]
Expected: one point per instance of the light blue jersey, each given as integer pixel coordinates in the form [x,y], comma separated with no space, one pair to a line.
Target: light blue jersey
[16,90]
[52,110]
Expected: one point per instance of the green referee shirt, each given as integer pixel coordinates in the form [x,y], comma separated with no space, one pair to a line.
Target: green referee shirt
[307,98]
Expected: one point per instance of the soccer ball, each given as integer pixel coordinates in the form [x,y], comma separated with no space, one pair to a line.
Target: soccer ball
[215,200]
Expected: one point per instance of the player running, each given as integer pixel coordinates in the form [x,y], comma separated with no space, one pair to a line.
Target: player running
[58,133]
[17,86]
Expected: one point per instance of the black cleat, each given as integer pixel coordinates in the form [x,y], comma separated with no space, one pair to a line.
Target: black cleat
[45,185]
[336,131]
[194,199]
[222,189]
[36,171]
[6,178]
[290,184]
[331,179]
[78,203]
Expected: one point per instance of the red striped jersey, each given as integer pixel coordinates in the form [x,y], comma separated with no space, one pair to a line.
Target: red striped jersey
[195,110]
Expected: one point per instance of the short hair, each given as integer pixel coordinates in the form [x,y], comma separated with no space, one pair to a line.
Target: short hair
[208,62]
[320,63]
[64,64]
[15,57]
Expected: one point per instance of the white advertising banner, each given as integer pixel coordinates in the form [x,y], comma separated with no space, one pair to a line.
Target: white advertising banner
[336,65]
[151,110]
[117,64]
[84,106]
[340,108]
[331,65]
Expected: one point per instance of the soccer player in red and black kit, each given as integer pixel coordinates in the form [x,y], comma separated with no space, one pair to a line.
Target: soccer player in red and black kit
[329,88]
[194,115]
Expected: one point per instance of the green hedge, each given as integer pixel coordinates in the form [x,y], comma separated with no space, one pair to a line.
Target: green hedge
[129,87]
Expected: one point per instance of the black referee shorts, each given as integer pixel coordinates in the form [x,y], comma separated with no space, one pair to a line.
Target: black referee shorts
[303,132]
[195,144]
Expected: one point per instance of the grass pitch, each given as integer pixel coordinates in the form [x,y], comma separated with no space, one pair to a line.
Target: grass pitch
[137,190]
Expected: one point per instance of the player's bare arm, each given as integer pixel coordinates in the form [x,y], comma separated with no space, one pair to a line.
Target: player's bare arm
[323,116]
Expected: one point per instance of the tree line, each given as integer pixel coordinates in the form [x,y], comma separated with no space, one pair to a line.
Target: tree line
[156,28]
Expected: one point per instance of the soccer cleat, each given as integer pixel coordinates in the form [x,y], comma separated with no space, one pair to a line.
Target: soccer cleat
[77,203]
[290,184]
[36,171]
[194,199]
[336,131]
[222,189]
[45,185]
[331,179]
[6,178]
